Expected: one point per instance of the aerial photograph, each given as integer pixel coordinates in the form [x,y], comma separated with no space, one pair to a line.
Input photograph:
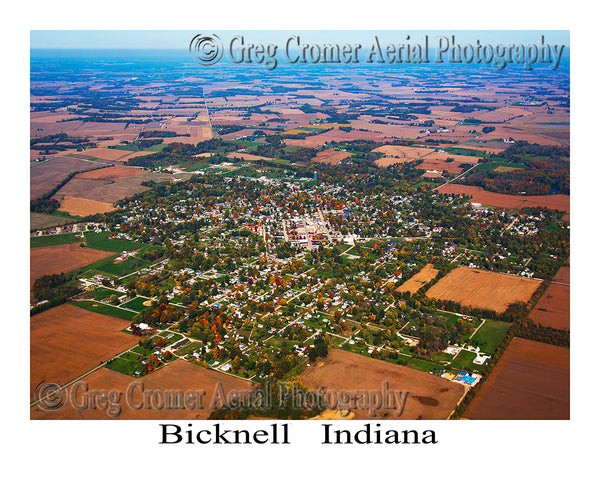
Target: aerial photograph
[297,225]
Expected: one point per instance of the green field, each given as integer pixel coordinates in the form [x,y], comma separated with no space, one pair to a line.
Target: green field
[136,304]
[130,265]
[99,241]
[464,151]
[105,310]
[123,365]
[464,361]
[134,148]
[102,293]
[423,365]
[490,335]
[50,240]
[489,166]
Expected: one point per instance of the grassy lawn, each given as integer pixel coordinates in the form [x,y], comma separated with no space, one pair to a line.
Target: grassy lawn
[105,310]
[189,348]
[130,265]
[102,293]
[100,241]
[136,304]
[464,360]
[175,337]
[123,365]
[441,357]
[422,365]
[490,335]
[50,240]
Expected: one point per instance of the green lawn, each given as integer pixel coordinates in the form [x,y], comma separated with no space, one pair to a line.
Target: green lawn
[490,335]
[422,365]
[130,265]
[123,365]
[136,304]
[50,240]
[464,360]
[102,293]
[100,241]
[105,310]
[441,357]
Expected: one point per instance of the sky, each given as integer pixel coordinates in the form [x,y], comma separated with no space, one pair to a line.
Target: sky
[175,39]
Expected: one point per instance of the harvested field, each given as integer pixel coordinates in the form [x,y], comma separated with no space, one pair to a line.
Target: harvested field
[482,289]
[430,397]
[425,275]
[246,156]
[67,341]
[530,382]
[111,173]
[110,154]
[331,156]
[401,151]
[45,176]
[553,309]
[432,174]
[110,191]
[503,169]
[558,202]
[500,115]
[61,258]
[178,376]
[563,275]
[83,207]
[41,220]
[334,135]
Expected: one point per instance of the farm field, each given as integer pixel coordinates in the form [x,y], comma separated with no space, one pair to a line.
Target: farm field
[399,154]
[429,398]
[111,173]
[331,156]
[45,176]
[109,191]
[563,275]
[82,207]
[246,156]
[67,341]
[482,289]
[42,220]
[530,382]
[61,258]
[178,375]
[425,275]
[553,309]
[558,202]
